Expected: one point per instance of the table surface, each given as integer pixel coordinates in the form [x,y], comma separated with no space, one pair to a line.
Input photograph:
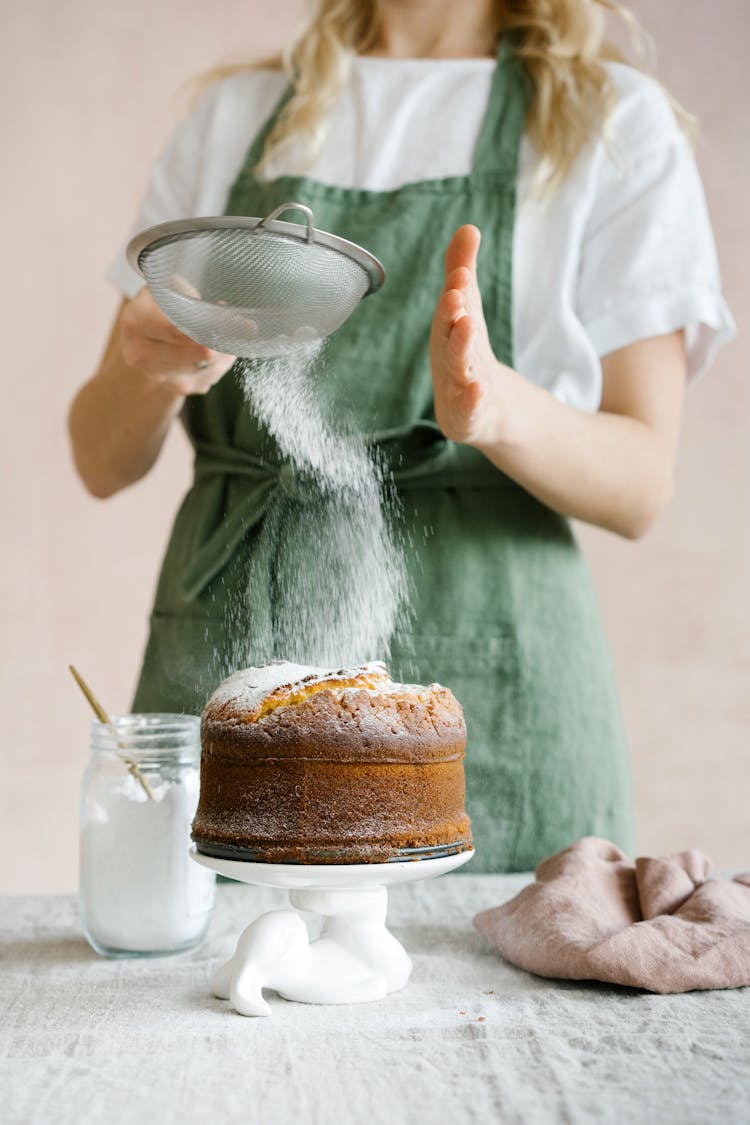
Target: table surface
[85,1039]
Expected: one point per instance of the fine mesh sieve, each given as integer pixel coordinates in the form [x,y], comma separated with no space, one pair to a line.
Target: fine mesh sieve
[254,287]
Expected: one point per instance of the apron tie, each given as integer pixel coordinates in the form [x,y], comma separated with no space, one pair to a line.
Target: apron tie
[293,484]
[416,457]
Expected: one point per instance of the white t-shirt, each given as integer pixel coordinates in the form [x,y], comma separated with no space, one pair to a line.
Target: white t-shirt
[621,252]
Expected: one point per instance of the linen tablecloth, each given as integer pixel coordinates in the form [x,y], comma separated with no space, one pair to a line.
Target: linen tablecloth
[89,1040]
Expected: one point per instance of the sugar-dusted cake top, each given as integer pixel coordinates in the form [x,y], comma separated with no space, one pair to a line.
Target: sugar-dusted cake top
[253,692]
[301,710]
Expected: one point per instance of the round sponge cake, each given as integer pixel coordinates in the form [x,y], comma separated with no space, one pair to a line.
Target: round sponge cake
[305,765]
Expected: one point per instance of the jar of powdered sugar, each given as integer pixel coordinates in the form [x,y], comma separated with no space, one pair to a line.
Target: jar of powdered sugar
[141,894]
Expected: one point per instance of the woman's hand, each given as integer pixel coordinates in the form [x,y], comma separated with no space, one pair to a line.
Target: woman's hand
[613,468]
[467,378]
[120,417]
[152,344]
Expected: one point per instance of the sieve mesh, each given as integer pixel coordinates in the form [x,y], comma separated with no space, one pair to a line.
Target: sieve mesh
[252,292]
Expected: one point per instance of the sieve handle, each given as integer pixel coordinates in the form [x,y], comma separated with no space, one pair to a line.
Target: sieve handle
[310,218]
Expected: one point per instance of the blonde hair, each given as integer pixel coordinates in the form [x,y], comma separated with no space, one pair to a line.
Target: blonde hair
[561,43]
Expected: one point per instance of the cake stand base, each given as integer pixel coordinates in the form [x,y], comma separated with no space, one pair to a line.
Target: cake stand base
[355,958]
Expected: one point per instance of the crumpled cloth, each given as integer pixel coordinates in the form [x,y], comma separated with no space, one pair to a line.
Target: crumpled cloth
[658,924]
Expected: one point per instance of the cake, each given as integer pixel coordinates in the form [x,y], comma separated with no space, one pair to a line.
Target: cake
[304,765]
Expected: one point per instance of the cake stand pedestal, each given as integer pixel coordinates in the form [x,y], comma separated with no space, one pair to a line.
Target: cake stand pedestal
[355,958]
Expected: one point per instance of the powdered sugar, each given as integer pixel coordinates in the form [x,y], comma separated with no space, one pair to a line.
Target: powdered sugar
[140,891]
[338,583]
[245,691]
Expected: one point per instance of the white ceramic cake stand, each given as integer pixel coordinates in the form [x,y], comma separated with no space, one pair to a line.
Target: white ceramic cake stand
[354,959]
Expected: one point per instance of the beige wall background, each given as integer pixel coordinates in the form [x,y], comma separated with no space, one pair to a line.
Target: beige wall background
[89,97]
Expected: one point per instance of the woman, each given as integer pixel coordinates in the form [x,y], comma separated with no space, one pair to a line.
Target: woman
[510,387]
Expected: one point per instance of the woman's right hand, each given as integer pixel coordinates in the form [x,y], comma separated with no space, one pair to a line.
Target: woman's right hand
[151,344]
[121,415]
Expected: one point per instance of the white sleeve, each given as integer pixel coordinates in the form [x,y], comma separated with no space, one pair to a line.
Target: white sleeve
[648,260]
[173,187]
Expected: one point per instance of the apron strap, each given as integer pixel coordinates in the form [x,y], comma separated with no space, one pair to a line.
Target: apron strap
[497,147]
[259,142]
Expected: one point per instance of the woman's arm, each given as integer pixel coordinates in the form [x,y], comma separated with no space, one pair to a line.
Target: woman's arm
[613,468]
[120,417]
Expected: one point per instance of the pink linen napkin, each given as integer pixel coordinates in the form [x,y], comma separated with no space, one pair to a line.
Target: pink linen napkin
[660,924]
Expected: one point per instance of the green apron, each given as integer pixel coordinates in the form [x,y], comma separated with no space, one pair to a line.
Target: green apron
[504,609]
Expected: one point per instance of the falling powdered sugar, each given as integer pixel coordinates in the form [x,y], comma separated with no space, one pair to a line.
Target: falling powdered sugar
[338,582]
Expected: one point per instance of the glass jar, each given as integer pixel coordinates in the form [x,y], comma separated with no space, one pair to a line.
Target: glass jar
[141,894]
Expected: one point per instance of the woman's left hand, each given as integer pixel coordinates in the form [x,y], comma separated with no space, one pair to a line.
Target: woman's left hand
[612,467]
[466,376]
